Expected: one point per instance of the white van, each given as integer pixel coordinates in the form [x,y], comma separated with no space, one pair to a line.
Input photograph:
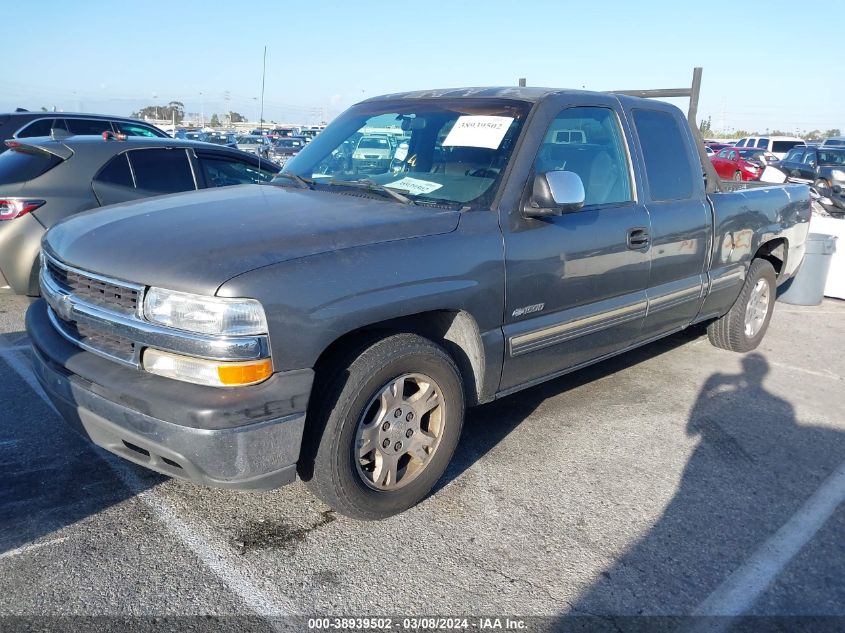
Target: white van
[777,145]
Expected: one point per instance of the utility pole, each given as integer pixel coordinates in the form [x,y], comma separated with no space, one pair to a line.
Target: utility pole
[263,74]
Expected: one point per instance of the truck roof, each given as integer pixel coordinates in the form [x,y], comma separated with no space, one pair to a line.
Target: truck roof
[522,93]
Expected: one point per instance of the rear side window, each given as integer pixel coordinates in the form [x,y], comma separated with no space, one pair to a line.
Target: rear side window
[41,127]
[116,172]
[87,126]
[162,170]
[763,142]
[136,129]
[20,165]
[667,164]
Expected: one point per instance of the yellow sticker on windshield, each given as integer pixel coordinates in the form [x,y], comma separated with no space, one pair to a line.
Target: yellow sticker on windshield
[478,131]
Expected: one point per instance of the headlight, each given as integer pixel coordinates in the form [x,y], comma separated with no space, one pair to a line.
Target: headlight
[837,174]
[204,315]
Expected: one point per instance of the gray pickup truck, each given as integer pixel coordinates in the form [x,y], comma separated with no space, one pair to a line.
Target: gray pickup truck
[336,323]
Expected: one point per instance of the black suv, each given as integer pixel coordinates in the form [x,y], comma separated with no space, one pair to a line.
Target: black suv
[23,124]
[824,168]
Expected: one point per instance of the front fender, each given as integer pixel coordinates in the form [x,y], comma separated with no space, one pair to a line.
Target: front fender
[313,301]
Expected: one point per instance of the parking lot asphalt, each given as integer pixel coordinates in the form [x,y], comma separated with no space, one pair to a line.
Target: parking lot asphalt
[675,479]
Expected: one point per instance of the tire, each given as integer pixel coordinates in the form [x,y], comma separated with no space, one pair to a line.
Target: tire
[733,331]
[737,176]
[359,407]
[820,184]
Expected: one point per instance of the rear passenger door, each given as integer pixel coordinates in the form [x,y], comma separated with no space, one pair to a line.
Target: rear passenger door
[575,283]
[681,221]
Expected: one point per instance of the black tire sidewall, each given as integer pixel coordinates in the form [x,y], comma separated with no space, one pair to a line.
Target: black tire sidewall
[760,269]
[366,376]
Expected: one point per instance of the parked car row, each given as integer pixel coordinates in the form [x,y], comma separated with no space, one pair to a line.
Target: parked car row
[22,124]
[46,179]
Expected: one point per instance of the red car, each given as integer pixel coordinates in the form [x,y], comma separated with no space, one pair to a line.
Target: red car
[717,146]
[738,163]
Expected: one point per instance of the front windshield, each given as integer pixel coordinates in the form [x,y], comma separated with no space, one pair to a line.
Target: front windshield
[440,151]
[831,157]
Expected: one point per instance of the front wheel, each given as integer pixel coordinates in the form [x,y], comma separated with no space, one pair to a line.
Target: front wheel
[745,324]
[389,423]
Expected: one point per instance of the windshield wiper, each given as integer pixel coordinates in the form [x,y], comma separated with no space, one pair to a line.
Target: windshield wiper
[305,183]
[370,185]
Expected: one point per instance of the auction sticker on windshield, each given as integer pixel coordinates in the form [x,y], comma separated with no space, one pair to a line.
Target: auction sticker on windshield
[478,131]
[414,185]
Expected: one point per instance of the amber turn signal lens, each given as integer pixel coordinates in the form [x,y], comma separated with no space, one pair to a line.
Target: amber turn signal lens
[245,373]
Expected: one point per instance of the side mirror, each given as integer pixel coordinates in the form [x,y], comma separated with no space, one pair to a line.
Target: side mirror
[554,193]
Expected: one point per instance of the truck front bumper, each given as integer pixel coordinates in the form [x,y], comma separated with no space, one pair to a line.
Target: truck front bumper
[243,438]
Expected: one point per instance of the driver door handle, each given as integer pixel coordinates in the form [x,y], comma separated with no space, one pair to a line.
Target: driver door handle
[638,239]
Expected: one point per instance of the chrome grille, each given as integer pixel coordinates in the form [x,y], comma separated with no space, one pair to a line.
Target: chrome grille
[113,346]
[93,289]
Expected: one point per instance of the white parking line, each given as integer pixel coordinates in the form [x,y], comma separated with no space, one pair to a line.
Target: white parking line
[745,585]
[226,565]
[31,546]
[812,372]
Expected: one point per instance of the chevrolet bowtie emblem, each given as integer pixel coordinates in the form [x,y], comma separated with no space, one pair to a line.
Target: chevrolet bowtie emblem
[64,306]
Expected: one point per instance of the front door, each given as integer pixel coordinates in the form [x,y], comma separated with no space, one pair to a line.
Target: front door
[576,283]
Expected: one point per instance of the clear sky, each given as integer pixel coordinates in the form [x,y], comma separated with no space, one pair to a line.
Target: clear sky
[116,57]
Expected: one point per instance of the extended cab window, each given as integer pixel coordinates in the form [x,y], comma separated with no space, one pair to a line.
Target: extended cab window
[667,164]
[589,142]
[162,170]
[222,171]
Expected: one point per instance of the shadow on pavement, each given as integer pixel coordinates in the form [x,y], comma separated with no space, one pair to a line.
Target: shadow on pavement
[51,476]
[487,425]
[753,468]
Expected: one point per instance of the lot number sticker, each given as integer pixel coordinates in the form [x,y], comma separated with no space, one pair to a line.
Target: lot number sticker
[414,185]
[478,131]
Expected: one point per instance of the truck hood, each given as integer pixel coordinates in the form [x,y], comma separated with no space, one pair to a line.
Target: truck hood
[197,241]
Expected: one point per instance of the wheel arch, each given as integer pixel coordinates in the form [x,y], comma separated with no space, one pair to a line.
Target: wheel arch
[454,329]
[775,251]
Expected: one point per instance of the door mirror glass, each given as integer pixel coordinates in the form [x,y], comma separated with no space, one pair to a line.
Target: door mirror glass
[555,192]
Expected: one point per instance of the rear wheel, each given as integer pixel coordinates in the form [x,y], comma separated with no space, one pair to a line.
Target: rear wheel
[745,324]
[389,423]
